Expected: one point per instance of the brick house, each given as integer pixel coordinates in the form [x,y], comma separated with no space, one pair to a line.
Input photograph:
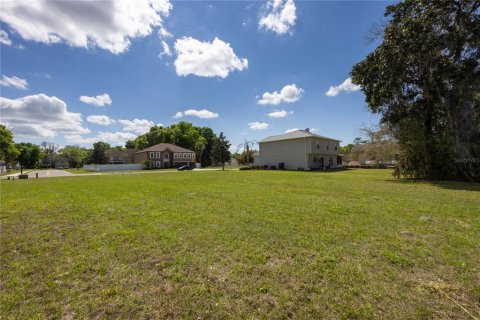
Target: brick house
[166,155]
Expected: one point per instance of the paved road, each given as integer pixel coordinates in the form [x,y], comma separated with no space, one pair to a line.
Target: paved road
[45,173]
[52,173]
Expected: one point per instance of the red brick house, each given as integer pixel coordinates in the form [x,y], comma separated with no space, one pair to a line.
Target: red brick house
[165,155]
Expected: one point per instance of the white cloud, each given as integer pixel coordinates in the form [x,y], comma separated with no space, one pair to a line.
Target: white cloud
[202,114]
[163,33]
[279,113]
[76,138]
[258,125]
[40,116]
[108,24]
[177,115]
[280,17]
[314,130]
[165,49]
[289,93]
[14,82]
[4,39]
[100,120]
[116,138]
[206,59]
[99,101]
[346,86]
[139,126]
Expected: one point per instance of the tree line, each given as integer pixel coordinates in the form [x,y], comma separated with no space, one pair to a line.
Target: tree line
[209,148]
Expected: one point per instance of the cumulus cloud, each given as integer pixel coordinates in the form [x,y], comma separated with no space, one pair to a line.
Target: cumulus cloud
[202,114]
[76,138]
[100,120]
[279,113]
[280,16]
[40,116]
[4,39]
[258,126]
[139,126]
[99,101]
[107,24]
[206,59]
[117,138]
[14,82]
[289,93]
[346,86]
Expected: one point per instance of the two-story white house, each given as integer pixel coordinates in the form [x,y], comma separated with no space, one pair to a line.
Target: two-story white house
[299,150]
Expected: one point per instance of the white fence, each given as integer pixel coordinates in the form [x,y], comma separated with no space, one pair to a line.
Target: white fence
[113,167]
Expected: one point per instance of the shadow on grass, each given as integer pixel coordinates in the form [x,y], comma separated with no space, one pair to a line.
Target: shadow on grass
[452,185]
[305,171]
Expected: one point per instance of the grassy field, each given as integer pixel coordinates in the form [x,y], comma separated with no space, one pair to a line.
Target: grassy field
[353,244]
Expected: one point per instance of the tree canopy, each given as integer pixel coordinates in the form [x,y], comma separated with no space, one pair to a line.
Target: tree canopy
[424,81]
[76,155]
[8,151]
[30,154]
[99,153]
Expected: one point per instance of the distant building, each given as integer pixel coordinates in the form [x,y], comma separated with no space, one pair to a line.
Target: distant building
[165,155]
[121,156]
[299,150]
[55,161]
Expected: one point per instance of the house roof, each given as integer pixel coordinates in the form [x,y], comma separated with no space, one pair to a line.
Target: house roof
[295,135]
[165,146]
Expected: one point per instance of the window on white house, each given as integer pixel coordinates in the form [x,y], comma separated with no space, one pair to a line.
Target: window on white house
[318,145]
[189,155]
[336,147]
[157,164]
[184,156]
[175,155]
[158,155]
[152,155]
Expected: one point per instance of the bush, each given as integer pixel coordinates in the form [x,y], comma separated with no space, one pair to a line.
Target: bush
[147,165]
[245,168]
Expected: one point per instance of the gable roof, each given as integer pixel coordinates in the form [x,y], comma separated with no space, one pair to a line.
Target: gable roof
[165,146]
[295,135]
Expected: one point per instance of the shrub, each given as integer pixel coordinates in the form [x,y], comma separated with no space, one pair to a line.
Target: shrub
[245,168]
[147,165]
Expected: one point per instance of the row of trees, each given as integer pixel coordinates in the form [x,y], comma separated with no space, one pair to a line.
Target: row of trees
[424,81]
[31,155]
[209,148]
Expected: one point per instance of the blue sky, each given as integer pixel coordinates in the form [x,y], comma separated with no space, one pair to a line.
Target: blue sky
[230,84]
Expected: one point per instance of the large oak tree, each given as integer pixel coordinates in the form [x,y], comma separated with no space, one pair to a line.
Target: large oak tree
[424,80]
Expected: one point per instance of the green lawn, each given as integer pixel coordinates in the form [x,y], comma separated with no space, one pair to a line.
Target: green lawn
[353,244]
